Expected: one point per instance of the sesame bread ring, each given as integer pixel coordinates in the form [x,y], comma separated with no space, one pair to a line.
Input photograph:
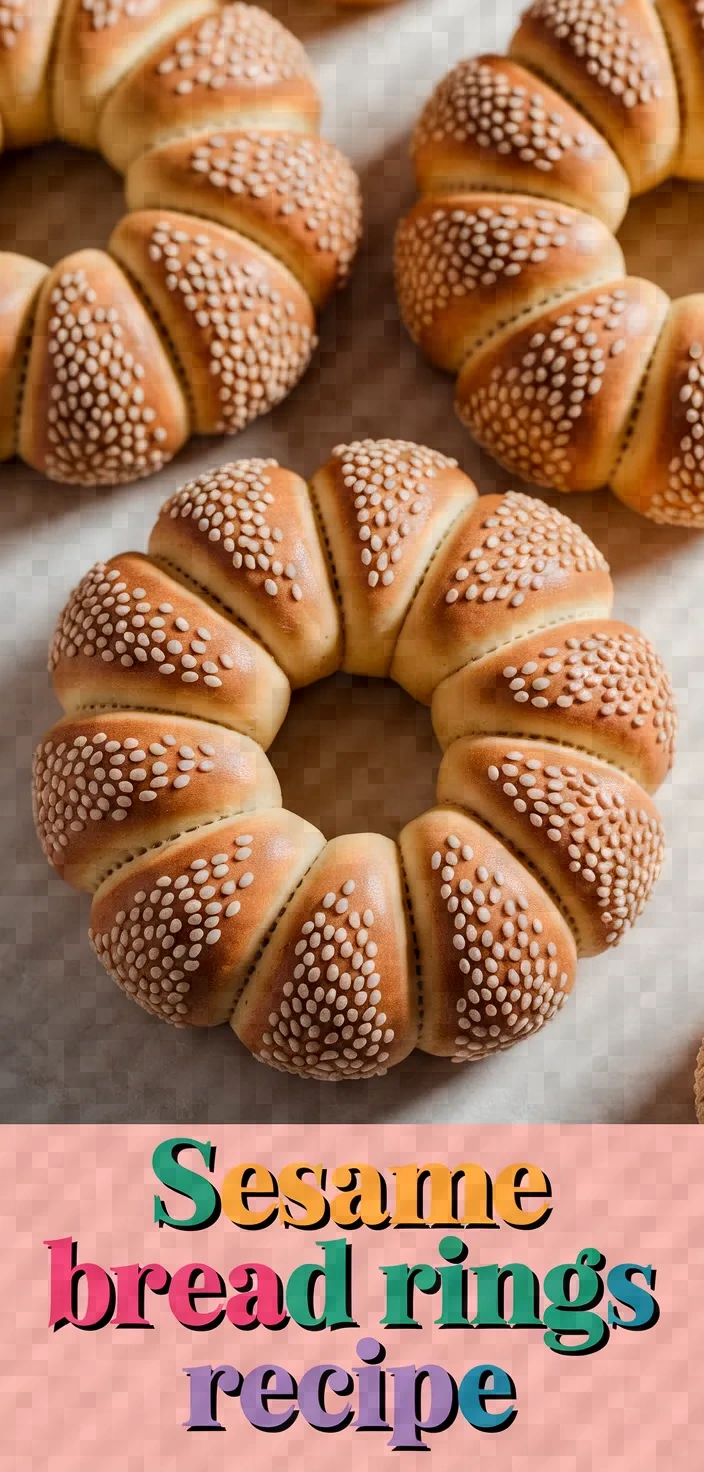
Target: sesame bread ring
[101,401]
[248,534]
[180,927]
[497,957]
[468,264]
[130,636]
[595,684]
[334,994]
[20,280]
[296,196]
[490,124]
[512,565]
[588,830]
[241,326]
[238,67]
[107,787]
[459,939]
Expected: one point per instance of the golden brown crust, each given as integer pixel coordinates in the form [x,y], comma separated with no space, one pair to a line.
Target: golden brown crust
[101,402]
[512,565]
[592,835]
[385,505]
[130,636]
[296,196]
[26,40]
[595,684]
[661,472]
[468,264]
[683,21]
[699,1086]
[553,400]
[247,533]
[492,124]
[241,325]
[612,59]
[98,42]
[178,929]
[340,958]
[105,788]
[20,280]
[238,67]
[497,959]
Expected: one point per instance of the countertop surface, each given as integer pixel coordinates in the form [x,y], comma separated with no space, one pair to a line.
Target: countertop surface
[353,755]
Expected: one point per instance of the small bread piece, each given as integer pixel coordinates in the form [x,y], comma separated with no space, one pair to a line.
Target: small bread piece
[20,280]
[553,401]
[661,471]
[511,566]
[179,928]
[108,787]
[497,959]
[683,22]
[297,197]
[334,994]
[385,506]
[98,42]
[593,835]
[699,1086]
[26,41]
[595,684]
[247,533]
[132,636]
[102,404]
[492,124]
[240,324]
[238,67]
[466,265]
[611,57]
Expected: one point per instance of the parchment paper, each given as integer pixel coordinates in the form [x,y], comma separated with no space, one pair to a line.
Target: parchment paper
[353,754]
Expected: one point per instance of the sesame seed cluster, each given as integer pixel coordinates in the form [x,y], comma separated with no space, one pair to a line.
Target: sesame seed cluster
[387,479]
[236,507]
[614,674]
[240,44]
[458,250]
[604,841]
[521,543]
[106,619]
[682,501]
[480,100]
[330,1019]
[512,981]
[257,348]
[599,35]
[13,18]
[304,181]
[156,944]
[102,427]
[104,14]
[527,413]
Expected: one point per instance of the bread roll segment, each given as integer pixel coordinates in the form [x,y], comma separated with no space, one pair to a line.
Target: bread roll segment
[237,67]
[179,928]
[611,58]
[99,41]
[242,327]
[247,533]
[385,506]
[468,264]
[699,1086]
[130,636]
[596,684]
[590,832]
[683,22]
[20,280]
[296,196]
[553,401]
[101,402]
[26,39]
[492,124]
[107,787]
[497,959]
[510,566]
[334,994]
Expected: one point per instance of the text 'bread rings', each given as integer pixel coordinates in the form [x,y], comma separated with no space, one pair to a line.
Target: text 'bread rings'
[333,960]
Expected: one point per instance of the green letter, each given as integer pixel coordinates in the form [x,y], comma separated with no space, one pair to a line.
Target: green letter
[165,1163]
